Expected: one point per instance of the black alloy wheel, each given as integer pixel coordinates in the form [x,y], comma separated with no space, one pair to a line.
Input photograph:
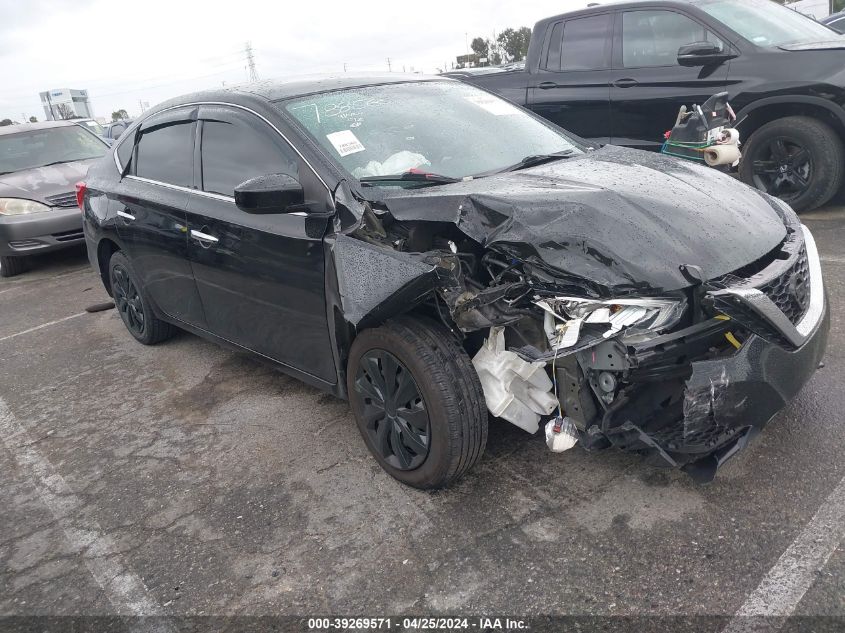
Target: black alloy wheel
[128,301]
[417,401]
[799,159]
[394,411]
[132,304]
[783,167]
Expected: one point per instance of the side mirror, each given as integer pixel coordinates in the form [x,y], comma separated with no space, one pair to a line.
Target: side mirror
[702,54]
[274,193]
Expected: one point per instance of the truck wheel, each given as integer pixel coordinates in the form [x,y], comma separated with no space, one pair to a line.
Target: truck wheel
[11,266]
[798,159]
[133,305]
[418,402]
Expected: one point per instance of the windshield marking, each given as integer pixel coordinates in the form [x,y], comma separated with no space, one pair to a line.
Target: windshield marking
[444,128]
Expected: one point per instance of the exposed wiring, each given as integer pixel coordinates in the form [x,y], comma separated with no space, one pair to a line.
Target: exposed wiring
[733,340]
[554,373]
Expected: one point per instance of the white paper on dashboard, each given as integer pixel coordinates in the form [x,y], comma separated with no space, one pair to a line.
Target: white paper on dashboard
[493,105]
[345,142]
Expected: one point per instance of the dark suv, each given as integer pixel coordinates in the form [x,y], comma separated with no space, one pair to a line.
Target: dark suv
[618,74]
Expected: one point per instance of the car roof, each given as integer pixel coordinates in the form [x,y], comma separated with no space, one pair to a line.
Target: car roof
[309,84]
[616,6]
[28,127]
[298,86]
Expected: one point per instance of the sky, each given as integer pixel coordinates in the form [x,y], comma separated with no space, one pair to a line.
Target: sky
[158,49]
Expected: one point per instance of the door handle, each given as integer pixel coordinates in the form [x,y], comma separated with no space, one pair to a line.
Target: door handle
[626,83]
[203,237]
[547,85]
[125,215]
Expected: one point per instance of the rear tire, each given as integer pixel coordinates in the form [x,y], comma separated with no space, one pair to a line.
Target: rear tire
[798,159]
[11,266]
[424,419]
[133,305]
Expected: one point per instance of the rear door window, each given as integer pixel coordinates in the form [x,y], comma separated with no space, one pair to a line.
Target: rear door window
[653,38]
[553,54]
[585,44]
[580,44]
[165,153]
[236,149]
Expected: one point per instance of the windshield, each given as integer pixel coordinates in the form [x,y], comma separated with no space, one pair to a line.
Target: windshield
[37,148]
[433,127]
[768,24]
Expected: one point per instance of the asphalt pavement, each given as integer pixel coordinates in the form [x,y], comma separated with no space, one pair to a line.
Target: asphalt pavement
[185,479]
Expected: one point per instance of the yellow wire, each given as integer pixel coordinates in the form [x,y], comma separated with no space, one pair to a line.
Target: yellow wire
[732,340]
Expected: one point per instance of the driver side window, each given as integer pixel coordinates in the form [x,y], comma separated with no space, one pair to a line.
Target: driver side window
[235,149]
[653,38]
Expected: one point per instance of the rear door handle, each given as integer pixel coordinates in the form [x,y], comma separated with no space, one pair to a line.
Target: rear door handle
[547,85]
[125,215]
[626,83]
[203,237]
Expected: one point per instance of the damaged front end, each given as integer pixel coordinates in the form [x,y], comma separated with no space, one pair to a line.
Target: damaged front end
[585,342]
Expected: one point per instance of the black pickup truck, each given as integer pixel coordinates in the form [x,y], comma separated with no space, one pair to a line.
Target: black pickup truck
[618,73]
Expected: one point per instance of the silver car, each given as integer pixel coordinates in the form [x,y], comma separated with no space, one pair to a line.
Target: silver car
[40,164]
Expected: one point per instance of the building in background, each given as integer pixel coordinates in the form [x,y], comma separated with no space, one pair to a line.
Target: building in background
[66,103]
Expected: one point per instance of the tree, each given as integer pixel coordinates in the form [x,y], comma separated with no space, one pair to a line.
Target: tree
[5,122]
[480,46]
[514,43]
[64,111]
[495,57]
[487,48]
[117,115]
[33,119]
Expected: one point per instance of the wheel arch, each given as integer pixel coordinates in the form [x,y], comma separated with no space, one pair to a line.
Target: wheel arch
[756,115]
[344,332]
[106,247]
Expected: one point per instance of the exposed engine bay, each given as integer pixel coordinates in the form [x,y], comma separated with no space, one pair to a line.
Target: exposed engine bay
[659,357]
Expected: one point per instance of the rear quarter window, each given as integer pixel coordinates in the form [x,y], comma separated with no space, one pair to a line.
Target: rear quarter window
[124,150]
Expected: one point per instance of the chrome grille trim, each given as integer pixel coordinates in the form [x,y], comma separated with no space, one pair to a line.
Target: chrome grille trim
[814,313]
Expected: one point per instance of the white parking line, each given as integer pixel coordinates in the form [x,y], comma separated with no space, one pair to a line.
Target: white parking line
[124,589]
[42,326]
[782,589]
[834,259]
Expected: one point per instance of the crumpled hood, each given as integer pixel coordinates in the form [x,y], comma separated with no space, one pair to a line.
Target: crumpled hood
[40,182]
[622,218]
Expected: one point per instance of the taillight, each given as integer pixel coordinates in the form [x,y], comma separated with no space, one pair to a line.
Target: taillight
[81,188]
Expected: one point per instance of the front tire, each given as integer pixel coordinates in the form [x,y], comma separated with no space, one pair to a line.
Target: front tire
[417,401]
[132,304]
[12,266]
[798,159]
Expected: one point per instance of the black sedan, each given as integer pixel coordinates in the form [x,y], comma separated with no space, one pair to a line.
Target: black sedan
[438,255]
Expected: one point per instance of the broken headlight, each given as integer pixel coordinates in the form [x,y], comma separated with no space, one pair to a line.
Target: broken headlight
[566,317]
